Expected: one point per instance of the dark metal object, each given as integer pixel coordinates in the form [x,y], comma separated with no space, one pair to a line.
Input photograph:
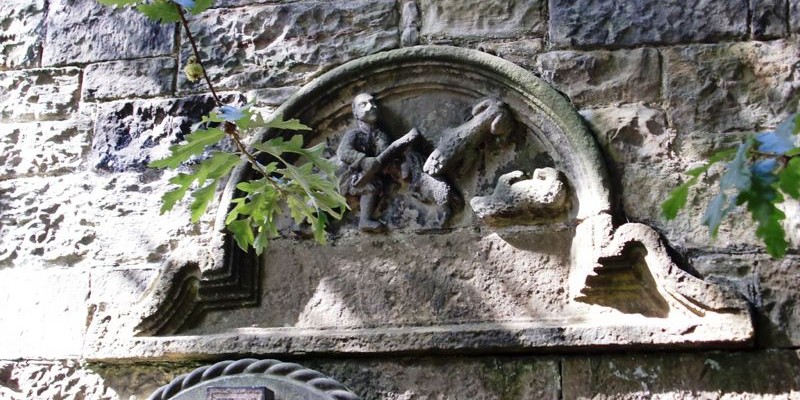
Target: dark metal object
[288,381]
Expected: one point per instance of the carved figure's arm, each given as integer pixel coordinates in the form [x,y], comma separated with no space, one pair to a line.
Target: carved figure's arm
[388,153]
[381,142]
[347,152]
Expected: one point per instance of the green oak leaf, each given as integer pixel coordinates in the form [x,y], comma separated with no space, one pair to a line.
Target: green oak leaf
[242,233]
[789,178]
[196,143]
[676,200]
[170,198]
[118,3]
[200,6]
[261,241]
[278,122]
[160,10]
[761,200]
[217,166]
[202,197]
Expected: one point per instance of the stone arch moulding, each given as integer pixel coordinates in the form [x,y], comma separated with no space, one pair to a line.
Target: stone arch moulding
[525,258]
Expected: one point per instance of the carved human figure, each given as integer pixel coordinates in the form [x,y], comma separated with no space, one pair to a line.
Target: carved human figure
[364,152]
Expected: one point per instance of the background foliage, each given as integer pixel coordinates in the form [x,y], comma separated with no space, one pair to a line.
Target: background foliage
[758,175]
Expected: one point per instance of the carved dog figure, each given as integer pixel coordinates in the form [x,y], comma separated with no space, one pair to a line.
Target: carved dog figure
[521,199]
[490,116]
[429,189]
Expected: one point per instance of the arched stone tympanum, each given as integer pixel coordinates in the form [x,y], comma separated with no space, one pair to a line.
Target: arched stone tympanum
[526,257]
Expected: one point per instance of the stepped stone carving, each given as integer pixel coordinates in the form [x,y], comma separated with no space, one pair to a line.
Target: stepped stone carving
[531,262]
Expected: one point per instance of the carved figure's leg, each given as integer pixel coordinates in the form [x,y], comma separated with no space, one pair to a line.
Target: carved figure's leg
[365,221]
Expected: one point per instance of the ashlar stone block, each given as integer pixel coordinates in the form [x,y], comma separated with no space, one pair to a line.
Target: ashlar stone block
[468,378]
[84,31]
[129,134]
[629,23]
[44,312]
[285,44]
[90,220]
[794,15]
[731,87]
[603,77]
[59,379]
[631,133]
[132,79]
[745,375]
[485,19]
[21,39]
[120,285]
[644,186]
[39,94]
[770,286]
[769,19]
[521,52]
[43,147]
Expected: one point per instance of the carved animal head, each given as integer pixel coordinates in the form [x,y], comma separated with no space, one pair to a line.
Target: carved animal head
[502,122]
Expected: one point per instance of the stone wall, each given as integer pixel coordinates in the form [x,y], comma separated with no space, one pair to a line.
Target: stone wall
[88,95]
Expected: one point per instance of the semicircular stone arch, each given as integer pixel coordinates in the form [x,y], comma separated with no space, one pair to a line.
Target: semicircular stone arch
[459,77]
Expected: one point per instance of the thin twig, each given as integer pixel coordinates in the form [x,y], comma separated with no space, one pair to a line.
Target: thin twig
[197,53]
[229,128]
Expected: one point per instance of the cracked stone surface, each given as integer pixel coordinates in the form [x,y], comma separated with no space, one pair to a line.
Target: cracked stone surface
[83,31]
[130,134]
[683,376]
[287,44]
[769,19]
[731,87]
[36,148]
[592,23]
[39,94]
[486,19]
[603,77]
[125,79]
[88,220]
[21,22]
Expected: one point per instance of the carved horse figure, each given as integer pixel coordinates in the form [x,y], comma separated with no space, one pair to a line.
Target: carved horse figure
[490,116]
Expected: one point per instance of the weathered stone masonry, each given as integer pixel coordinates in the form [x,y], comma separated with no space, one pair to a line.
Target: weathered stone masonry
[88,95]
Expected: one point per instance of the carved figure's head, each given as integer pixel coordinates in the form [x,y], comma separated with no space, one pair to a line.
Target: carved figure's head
[364,108]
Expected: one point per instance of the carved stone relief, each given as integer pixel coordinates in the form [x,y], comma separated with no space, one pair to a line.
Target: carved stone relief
[480,219]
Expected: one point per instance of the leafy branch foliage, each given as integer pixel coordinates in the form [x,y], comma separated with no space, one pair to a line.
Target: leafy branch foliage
[304,185]
[162,10]
[758,175]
